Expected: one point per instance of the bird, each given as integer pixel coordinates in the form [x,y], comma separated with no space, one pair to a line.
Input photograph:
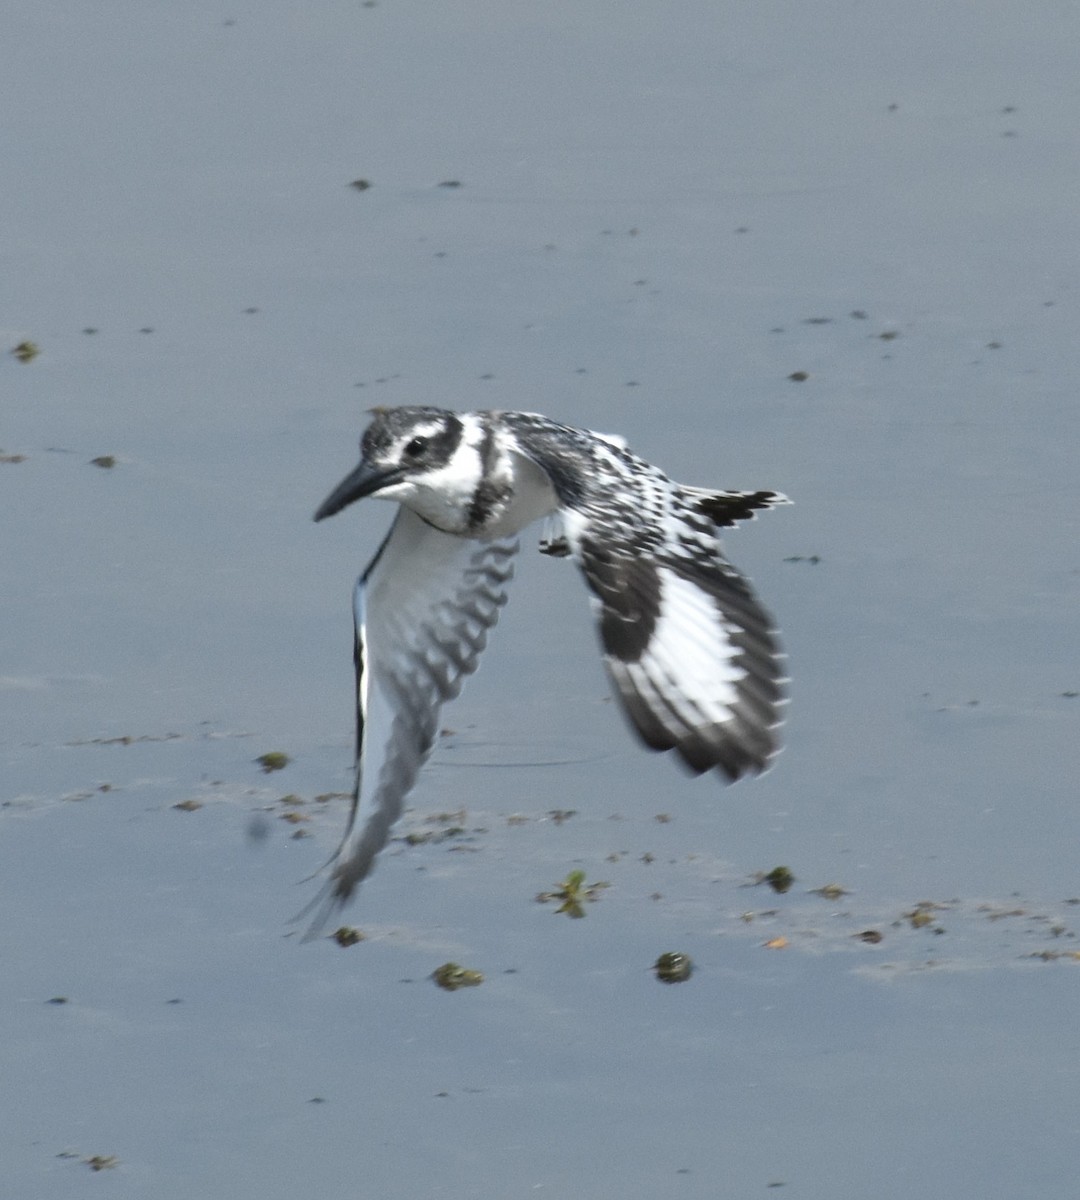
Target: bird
[692,655]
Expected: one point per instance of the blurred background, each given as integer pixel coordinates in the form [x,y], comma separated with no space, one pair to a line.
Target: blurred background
[828,249]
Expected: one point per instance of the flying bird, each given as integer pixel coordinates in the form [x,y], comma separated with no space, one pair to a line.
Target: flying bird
[692,654]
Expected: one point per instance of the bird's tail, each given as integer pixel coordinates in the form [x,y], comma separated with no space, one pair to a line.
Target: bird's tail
[725,509]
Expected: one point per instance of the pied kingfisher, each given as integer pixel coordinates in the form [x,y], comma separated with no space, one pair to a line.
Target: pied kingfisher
[692,654]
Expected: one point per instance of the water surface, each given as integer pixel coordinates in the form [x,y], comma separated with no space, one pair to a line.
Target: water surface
[663,213]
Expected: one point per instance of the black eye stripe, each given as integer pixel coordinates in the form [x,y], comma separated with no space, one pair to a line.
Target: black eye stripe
[421,439]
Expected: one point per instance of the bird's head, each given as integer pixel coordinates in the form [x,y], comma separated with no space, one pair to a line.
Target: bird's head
[419,457]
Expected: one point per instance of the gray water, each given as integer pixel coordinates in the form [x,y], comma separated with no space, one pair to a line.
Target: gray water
[663,212]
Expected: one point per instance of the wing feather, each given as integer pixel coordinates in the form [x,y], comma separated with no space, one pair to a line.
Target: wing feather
[423,610]
[692,654]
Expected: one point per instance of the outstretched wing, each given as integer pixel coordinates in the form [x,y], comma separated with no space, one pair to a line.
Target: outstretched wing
[693,655]
[423,609]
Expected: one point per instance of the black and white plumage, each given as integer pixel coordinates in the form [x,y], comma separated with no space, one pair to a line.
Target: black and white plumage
[692,654]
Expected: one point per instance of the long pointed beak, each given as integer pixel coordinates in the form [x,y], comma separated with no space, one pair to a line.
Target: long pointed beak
[364,481]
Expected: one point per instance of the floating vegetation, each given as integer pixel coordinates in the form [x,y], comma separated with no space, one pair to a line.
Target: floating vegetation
[923,914]
[831,891]
[871,937]
[812,559]
[573,893]
[673,967]
[779,879]
[189,805]
[777,943]
[999,914]
[451,976]
[453,826]
[26,352]
[422,837]
[799,376]
[12,458]
[361,185]
[347,935]
[273,760]
[457,817]
[102,1162]
[126,739]
[105,461]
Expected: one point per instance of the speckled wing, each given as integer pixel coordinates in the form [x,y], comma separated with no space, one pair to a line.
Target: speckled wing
[423,609]
[692,653]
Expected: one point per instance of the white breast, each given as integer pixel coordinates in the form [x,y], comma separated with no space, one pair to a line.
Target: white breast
[533,498]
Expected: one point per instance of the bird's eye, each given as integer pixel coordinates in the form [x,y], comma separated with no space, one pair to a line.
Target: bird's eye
[416,447]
